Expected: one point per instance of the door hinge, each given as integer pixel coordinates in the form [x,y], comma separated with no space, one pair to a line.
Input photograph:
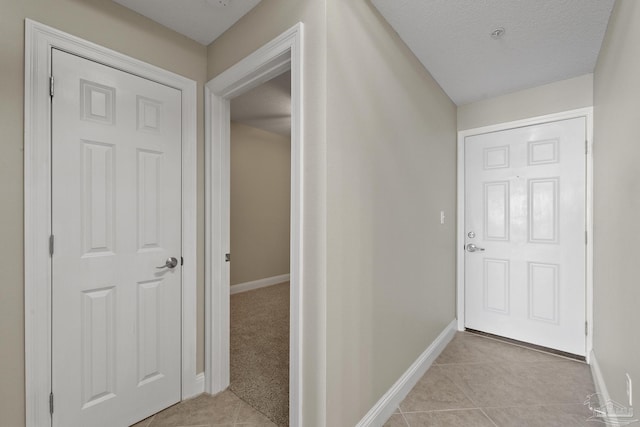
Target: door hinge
[51,86]
[51,239]
[181,261]
[586,328]
[227,257]
[586,240]
[51,403]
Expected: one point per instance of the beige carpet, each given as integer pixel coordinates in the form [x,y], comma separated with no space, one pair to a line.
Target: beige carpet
[260,350]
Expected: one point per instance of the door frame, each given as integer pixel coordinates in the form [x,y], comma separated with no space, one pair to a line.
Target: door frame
[587,113]
[279,55]
[40,39]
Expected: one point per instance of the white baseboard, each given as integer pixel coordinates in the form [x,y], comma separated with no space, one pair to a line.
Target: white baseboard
[199,385]
[598,381]
[386,406]
[260,283]
[196,388]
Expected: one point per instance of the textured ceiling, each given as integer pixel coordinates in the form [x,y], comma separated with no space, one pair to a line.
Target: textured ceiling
[201,20]
[544,41]
[267,107]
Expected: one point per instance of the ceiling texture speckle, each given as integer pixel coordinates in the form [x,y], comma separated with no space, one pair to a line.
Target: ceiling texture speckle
[544,41]
[201,20]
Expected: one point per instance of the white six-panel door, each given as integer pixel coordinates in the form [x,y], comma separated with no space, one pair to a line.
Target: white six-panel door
[525,243]
[116,217]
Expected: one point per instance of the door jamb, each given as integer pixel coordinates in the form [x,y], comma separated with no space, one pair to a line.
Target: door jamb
[282,53]
[40,39]
[587,113]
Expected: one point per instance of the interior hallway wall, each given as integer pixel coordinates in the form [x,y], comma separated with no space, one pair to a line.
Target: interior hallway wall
[110,25]
[551,98]
[616,155]
[262,24]
[260,203]
[391,159]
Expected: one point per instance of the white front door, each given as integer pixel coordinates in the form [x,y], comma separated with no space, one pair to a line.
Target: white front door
[525,234]
[116,217]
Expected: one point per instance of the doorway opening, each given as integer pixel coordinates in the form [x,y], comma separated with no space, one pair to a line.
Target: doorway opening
[275,58]
[260,183]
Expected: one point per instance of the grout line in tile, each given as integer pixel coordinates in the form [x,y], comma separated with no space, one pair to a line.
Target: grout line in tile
[404,418]
[451,410]
[442,410]
[443,367]
[461,390]
[488,417]
[402,415]
[236,413]
[502,362]
[508,406]
[531,405]
[471,363]
[239,404]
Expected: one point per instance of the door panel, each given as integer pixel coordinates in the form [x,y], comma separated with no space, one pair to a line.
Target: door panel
[525,207]
[116,216]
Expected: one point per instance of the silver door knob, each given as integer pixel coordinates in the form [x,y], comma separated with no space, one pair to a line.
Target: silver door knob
[170,263]
[473,248]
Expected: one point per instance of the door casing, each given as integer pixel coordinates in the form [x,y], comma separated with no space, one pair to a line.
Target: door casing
[279,55]
[587,113]
[39,41]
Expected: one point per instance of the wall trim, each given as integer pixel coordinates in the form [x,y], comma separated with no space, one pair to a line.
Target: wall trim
[260,283]
[386,406]
[600,384]
[587,113]
[598,379]
[198,386]
[39,41]
[283,53]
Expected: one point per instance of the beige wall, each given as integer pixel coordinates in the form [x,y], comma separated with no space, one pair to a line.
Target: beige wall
[538,101]
[391,135]
[260,207]
[105,23]
[617,201]
[390,265]
[266,21]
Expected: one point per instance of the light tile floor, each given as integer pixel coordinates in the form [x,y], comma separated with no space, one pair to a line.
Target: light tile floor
[222,410]
[476,382]
[479,381]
